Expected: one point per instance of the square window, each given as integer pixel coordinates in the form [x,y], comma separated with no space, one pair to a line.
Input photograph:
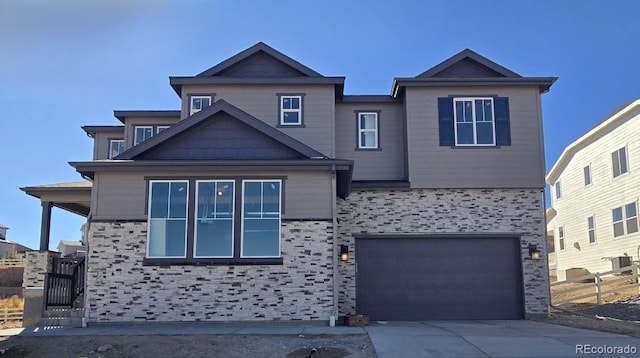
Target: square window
[161,128]
[290,110]
[116,146]
[199,103]
[474,121]
[142,133]
[368,130]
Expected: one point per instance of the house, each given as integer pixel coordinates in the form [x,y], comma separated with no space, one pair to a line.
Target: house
[8,248]
[260,196]
[595,189]
[71,248]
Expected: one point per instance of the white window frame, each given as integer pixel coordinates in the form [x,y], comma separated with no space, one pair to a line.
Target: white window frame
[290,110]
[621,221]
[627,218]
[561,238]
[242,256]
[149,218]
[111,142]
[474,123]
[191,102]
[368,130]
[557,188]
[233,215]
[620,162]
[135,134]
[586,171]
[161,128]
[591,229]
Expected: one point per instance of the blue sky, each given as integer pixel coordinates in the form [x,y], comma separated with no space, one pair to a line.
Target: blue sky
[64,64]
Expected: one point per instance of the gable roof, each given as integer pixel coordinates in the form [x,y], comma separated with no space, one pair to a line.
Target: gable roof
[468,68]
[629,111]
[253,50]
[219,106]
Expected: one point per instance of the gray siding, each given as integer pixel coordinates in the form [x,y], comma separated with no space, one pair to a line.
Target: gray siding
[101,143]
[260,65]
[122,196]
[520,165]
[130,123]
[385,164]
[261,101]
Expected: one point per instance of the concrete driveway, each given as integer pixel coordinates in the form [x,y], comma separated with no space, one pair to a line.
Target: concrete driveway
[495,339]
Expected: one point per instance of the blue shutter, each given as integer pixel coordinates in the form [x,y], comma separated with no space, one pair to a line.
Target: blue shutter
[445,121]
[503,125]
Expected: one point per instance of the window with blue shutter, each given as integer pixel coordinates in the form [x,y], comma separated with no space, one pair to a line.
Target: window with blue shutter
[474,121]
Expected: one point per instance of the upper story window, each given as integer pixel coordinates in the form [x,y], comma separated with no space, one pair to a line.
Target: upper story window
[198,103]
[161,128]
[627,214]
[290,110]
[142,133]
[619,161]
[587,175]
[561,237]
[474,121]
[558,190]
[116,146]
[368,130]
[220,231]
[591,226]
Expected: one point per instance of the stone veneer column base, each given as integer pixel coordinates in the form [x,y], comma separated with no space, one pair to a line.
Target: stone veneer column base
[120,288]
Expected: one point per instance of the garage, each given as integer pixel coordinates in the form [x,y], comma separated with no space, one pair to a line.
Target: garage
[413,278]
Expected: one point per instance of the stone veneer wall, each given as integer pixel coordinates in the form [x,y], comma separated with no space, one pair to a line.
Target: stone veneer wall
[120,288]
[447,211]
[36,265]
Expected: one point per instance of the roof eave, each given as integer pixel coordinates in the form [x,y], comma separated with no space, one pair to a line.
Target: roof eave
[543,83]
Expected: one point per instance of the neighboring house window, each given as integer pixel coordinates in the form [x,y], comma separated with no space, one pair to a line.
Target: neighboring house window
[627,214]
[199,103]
[591,225]
[558,190]
[587,175]
[474,121]
[290,110]
[216,222]
[161,128]
[368,130]
[561,237]
[261,218]
[142,133]
[619,161]
[214,219]
[167,231]
[116,146]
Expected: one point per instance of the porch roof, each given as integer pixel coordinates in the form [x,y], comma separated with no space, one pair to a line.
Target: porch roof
[74,197]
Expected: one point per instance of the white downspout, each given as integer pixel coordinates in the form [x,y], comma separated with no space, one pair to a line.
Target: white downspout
[334,216]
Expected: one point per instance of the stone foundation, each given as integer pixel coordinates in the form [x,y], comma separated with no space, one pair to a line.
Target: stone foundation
[448,211]
[120,288]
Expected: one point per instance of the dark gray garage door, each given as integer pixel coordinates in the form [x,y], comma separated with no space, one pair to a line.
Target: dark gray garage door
[439,278]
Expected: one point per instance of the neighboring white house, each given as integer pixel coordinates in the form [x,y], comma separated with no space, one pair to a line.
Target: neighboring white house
[595,187]
[67,247]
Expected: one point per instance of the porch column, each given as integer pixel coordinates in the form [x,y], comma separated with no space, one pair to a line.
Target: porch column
[45,225]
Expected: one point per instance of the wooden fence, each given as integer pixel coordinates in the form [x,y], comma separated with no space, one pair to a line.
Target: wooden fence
[11,262]
[10,314]
[600,286]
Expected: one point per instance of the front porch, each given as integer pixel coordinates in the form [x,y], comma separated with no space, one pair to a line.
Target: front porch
[53,286]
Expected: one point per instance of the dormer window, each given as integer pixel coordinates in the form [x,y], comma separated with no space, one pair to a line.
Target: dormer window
[199,103]
[142,133]
[290,110]
[116,146]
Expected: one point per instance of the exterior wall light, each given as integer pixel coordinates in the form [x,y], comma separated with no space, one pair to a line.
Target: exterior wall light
[534,253]
[344,252]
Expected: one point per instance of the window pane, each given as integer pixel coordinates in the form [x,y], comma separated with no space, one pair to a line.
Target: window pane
[592,236]
[271,199]
[291,117]
[630,210]
[561,244]
[618,229]
[368,139]
[617,214]
[224,200]
[295,103]
[632,225]
[465,133]
[616,164]
[252,199]
[261,237]
[205,102]
[178,200]
[167,237]
[368,121]
[286,103]
[206,200]
[558,190]
[464,111]
[159,200]
[587,175]
[590,222]
[484,131]
[623,160]
[214,238]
